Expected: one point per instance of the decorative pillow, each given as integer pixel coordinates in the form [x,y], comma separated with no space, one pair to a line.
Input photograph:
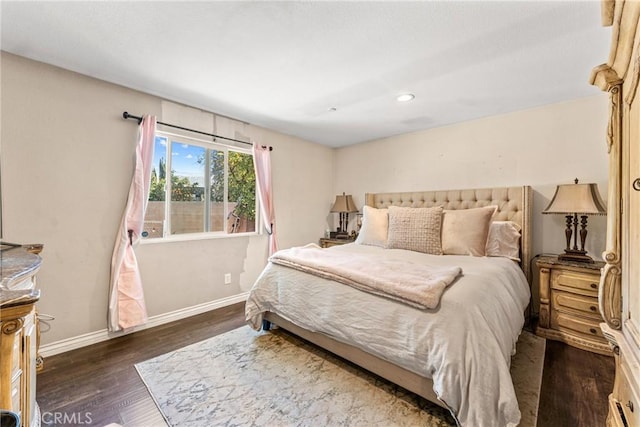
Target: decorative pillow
[375,224]
[464,231]
[504,240]
[415,229]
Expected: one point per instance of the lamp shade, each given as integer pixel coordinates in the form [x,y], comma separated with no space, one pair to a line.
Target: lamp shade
[582,199]
[344,203]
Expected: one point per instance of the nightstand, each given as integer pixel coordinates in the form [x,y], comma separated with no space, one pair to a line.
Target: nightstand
[569,303]
[327,243]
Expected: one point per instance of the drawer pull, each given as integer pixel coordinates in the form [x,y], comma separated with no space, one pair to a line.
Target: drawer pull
[593,308]
[593,331]
[594,286]
[629,405]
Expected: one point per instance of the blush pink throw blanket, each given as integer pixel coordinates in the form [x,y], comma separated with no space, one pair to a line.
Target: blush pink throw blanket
[418,285]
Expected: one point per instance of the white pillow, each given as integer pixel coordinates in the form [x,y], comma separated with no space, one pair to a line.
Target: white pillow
[375,225]
[464,231]
[504,240]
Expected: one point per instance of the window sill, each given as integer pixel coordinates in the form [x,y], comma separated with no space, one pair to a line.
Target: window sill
[197,236]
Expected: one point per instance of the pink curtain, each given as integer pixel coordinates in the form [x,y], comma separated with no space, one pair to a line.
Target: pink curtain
[126,300]
[262,165]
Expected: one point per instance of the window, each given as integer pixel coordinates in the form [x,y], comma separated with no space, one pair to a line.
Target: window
[199,187]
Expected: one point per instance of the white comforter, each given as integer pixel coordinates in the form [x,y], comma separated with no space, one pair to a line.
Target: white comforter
[465,344]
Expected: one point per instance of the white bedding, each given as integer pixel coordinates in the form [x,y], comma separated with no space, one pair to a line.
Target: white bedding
[465,344]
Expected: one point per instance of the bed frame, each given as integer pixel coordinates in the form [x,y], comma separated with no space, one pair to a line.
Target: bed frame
[514,204]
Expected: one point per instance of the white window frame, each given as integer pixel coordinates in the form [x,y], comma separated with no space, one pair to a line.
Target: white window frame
[205,235]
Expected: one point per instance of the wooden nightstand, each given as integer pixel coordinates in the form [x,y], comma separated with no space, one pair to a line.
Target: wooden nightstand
[569,303]
[327,243]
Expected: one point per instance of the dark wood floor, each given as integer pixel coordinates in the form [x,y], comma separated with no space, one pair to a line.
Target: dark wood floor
[575,387]
[98,385]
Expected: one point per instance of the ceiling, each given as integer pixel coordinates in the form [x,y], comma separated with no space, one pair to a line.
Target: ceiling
[286,65]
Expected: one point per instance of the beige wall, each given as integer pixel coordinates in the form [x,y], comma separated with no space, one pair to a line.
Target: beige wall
[541,147]
[67,159]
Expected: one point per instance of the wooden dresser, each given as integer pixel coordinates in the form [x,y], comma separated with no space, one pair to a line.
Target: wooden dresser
[18,333]
[569,303]
[619,296]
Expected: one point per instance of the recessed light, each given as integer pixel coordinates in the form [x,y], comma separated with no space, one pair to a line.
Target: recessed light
[405,97]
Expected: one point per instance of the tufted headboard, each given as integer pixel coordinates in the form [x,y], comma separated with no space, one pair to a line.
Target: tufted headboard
[514,204]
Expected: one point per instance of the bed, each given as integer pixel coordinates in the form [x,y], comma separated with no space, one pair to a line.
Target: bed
[456,354]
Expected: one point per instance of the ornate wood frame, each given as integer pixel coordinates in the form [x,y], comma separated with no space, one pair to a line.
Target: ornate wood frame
[620,77]
[610,77]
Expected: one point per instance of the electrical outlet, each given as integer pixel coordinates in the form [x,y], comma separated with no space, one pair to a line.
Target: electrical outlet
[227,279]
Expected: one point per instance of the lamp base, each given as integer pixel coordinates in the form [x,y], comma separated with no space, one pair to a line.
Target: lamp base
[575,255]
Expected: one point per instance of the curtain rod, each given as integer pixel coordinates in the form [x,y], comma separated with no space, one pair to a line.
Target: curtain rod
[126,115]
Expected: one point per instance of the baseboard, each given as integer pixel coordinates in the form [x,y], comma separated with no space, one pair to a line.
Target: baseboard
[104,335]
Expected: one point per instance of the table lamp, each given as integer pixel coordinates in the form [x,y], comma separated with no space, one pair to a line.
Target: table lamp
[343,206]
[573,200]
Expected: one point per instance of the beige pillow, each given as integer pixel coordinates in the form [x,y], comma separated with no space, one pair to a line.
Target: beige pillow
[375,224]
[415,229]
[464,231]
[504,240]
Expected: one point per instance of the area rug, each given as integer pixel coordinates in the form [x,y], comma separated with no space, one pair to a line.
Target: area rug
[248,378]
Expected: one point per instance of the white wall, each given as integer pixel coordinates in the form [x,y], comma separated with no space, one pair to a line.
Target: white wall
[67,159]
[541,147]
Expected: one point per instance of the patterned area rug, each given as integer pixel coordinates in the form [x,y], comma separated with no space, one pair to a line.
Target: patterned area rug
[248,378]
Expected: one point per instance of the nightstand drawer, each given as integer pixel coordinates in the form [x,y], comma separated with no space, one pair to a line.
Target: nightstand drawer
[585,284]
[327,243]
[569,309]
[587,327]
[579,304]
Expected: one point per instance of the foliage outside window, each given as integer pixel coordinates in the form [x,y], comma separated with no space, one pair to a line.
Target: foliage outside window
[199,187]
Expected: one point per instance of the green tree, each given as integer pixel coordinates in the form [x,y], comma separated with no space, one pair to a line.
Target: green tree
[162,166]
[181,189]
[242,182]
[156,190]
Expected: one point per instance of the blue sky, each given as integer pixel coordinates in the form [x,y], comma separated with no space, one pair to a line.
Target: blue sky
[184,159]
